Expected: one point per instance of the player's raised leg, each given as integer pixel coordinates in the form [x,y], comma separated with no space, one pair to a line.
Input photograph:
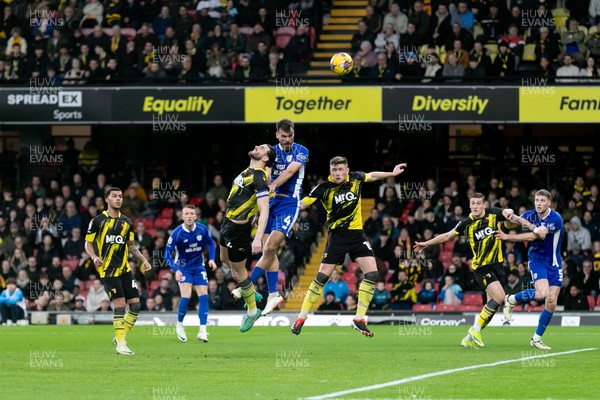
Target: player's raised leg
[185,288]
[315,290]
[365,294]
[510,301]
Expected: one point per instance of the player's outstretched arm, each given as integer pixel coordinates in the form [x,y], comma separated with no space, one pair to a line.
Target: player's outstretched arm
[519,221]
[379,175]
[285,175]
[538,233]
[444,237]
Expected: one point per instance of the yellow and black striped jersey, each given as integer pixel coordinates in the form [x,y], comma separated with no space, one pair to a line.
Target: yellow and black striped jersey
[342,202]
[247,187]
[481,236]
[110,237]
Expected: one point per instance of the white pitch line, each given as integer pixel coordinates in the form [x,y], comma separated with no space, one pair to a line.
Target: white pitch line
[440,373]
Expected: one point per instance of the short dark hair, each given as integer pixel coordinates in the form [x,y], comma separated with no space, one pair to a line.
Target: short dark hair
[477,195]
[112,189]
[338,160]
[189,206]
[11,281]
[285,125]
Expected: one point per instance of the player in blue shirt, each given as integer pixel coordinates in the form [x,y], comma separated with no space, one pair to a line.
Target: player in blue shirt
[284,207]
[546,234]
[188,242]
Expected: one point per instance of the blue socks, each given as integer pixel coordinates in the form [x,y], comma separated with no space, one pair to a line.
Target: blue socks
[545,318]
[183,308]
[203,308]
[525,296]
[272,278]
[257,272]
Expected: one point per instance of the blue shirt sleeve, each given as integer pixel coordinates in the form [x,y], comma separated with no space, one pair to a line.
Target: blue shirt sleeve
[301,155]
[554,223]
[171,245]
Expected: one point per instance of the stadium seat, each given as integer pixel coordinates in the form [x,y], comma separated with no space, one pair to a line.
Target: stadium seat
[162,273]
[529,52]
[560,12]
[352,267]
[468,307]
[559,22]
[166,212]
[151,232]
[437,287]
[449,246]
[129,32]
[598,301]
[518,308]
[72,264]
[153,286]
[389,275]
[418,287]
[472,299]
[390,286]
[162,223]
[148,222]
[492,48]
[247,30]
[282,40]
[591,302]
[422,307]
[477,31]
[444,307]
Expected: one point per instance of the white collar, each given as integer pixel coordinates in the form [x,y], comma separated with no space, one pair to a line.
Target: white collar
[183,227]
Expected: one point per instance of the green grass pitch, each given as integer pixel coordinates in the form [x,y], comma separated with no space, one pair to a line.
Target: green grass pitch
[79,362]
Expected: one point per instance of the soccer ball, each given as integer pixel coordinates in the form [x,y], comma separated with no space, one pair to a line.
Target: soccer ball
[341,63]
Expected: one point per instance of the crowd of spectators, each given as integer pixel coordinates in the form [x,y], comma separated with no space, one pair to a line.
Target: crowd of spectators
[42,233]
[477,40]
[78,42]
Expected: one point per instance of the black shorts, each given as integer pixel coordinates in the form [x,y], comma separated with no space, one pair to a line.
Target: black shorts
[121,286]
[341,242]
[488,274]
[237,239]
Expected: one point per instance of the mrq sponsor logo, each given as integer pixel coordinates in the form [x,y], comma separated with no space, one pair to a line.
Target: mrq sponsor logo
[61,99]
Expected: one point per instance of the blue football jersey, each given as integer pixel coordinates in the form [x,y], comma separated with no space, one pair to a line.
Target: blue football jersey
[547,250]
[185,248]
[293,186]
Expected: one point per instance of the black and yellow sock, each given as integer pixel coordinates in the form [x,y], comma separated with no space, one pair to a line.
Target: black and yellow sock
[131,316]
[118,324]
[487,313]
[248,293]
[365,295]
[315,290]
